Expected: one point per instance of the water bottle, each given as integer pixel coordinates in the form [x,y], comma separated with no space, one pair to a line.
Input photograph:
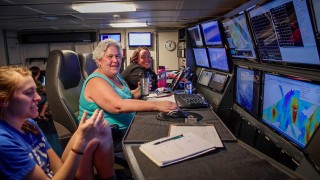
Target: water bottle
[162,77]
[188,87]
[144,83]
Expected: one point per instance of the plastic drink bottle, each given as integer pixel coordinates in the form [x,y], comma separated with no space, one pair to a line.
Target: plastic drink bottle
[162,77]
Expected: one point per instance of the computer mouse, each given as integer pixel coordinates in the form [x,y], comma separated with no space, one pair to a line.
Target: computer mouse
[177,114]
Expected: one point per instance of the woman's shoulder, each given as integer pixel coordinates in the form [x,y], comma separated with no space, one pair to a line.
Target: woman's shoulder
[132,68]
[94,76]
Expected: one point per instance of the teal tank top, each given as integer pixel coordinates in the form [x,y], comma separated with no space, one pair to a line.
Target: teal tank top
[122,119]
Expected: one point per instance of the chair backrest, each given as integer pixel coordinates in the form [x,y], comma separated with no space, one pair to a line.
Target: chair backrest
[63,87]
[87,64]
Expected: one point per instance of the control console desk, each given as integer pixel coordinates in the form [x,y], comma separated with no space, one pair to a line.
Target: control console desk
[234,161]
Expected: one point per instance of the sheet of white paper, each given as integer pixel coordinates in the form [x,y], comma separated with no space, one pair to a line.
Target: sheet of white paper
[153,97]
[206,132]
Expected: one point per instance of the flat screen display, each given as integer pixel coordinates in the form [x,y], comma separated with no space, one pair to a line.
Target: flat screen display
[43,81]
[284,33]
[247,89]
[137,39]
[239,39]
[205,77]
[291,106]
[195,35]
[211,33]
[316,11]
[201,57]
[114,36]
[218,59]
[218,82]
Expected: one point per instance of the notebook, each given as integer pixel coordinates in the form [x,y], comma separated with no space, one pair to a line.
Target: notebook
[173,149]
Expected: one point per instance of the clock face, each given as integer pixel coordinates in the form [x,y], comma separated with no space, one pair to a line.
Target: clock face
[170,45]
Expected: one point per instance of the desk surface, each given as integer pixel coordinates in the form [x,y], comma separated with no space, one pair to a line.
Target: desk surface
[231,162]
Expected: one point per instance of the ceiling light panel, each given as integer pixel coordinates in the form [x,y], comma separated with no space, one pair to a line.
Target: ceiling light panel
[103,7]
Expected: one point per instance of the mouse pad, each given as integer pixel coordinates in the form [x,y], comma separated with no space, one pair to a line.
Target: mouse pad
[162,116]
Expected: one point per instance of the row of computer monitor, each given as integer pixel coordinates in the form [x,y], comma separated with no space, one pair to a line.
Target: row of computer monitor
[280,31]
[288,104]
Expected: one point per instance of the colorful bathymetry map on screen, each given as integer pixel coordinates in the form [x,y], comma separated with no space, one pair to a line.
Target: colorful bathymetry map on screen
[296,113]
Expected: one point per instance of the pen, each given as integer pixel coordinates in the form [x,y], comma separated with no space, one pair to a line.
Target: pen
[169,139]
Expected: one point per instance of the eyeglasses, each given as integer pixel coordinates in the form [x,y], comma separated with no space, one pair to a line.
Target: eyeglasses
[110,56]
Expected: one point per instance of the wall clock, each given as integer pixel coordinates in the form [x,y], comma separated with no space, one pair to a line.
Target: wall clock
[170,45]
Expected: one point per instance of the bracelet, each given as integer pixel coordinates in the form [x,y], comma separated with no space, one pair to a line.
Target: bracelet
[77,152]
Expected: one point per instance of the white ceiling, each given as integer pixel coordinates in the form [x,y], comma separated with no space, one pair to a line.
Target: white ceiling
[23,15]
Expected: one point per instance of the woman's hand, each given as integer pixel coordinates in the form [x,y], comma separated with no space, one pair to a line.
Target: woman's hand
[90,128]
[136,93]
[166,106]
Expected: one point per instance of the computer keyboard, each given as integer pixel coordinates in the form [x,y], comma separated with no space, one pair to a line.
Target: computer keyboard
[190,101]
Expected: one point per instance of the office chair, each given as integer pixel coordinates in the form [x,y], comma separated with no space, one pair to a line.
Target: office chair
[64,83]
[87,64]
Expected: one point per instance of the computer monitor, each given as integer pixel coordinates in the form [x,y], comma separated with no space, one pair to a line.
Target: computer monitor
[201,57]
[218,59]
[114,36]
[239,38]
[195,35]
[284,33]
[316,13]
[218,82]
[205,77]
[176,80]
[43,81]
[136,39]
[247,89]
[211,33]
[291,107]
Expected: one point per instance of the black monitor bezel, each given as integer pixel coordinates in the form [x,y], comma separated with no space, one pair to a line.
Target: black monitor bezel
[204,42]
[193,42]
[285,64]
[200,75]
[140,45]
[245,14]
[292,77]
[228,59]
[195,61]
[311,147]
[108,34]
[224,83]
[258,115]
[314,19]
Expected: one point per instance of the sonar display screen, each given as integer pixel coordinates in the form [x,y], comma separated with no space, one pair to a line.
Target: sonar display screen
[291,107]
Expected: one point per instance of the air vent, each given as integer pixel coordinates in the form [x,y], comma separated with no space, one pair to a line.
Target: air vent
[31,38]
